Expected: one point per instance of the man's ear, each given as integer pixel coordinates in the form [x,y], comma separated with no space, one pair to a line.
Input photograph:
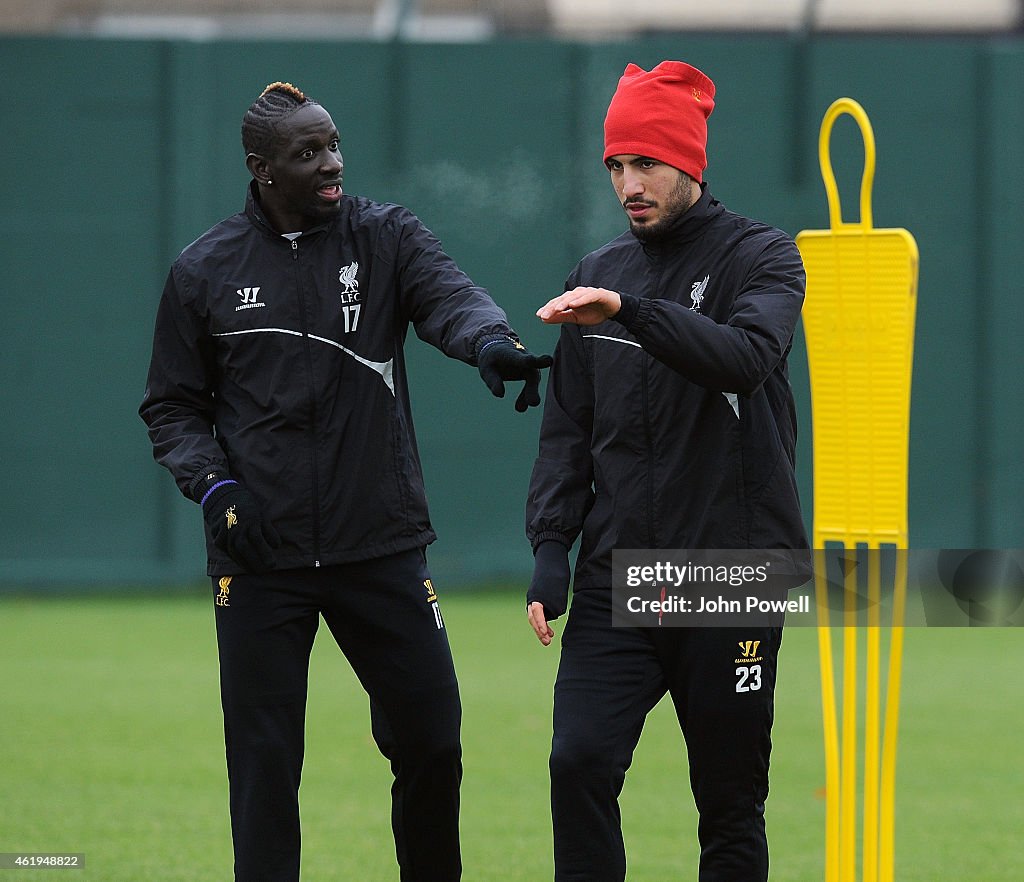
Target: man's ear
[258,167]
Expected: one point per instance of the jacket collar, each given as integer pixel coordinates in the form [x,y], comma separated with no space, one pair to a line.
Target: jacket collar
[254,211]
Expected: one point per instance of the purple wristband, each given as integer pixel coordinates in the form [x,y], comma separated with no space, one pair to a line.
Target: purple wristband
[489,343]
[206,495]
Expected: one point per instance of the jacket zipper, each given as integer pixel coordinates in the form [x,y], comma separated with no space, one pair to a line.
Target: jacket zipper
[645,404]
[312,402]
[648,434]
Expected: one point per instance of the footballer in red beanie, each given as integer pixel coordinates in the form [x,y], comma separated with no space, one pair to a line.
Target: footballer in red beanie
[669,423]
[661,113]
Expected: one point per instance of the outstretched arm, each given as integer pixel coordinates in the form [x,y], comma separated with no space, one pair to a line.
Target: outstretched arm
[732,356]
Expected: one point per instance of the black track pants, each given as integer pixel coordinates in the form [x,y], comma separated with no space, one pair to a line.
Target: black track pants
[722,683]
[384,617]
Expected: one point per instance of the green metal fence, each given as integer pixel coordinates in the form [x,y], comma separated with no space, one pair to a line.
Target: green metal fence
[118,153]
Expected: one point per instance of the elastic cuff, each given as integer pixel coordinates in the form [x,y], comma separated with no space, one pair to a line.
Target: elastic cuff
[550,536]
[627,311]
[205,478]
[643,314]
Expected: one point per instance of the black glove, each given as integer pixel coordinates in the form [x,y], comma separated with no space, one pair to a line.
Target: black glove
[505,358]
[237,528]
[550,583]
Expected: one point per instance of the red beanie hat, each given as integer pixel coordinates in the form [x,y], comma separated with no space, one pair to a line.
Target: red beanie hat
[662,114]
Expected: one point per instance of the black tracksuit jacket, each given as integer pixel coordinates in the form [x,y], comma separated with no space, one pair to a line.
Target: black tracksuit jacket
[281,362]
[673,425]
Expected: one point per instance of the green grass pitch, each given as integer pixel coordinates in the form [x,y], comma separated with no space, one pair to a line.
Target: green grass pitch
[111,745]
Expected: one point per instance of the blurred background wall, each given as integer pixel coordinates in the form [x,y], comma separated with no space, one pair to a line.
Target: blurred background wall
[121,145]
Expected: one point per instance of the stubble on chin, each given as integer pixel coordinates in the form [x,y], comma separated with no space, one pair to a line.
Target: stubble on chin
[678,204]
[644,232]
[651,232]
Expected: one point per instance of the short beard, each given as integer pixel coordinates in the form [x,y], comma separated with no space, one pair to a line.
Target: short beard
[676,205]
